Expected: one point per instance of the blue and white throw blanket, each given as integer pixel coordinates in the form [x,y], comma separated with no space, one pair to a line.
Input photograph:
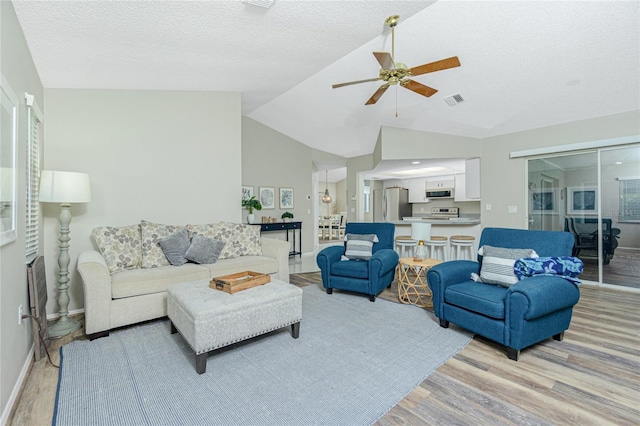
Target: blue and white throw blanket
[567,267]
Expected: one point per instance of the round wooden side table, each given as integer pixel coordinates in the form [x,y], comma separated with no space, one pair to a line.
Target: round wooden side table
[412,281]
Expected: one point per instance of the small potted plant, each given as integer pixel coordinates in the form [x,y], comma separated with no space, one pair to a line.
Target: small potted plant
[287,216]
[251,203]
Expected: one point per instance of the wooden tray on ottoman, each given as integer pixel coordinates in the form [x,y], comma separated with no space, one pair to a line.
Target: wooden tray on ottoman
[234,283]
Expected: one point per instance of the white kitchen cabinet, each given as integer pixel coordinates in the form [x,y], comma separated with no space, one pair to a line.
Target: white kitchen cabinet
[460,193]
[417,190]
[472,179]
[441,182]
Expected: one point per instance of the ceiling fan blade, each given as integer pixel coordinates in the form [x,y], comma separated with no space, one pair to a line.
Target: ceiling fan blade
[385,60]
[419,88]
[373,99]
[335,86]
[436,66]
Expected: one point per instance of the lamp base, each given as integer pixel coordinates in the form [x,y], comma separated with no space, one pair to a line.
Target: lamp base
[63,327]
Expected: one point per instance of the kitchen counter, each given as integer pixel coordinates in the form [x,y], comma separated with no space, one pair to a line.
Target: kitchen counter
[458,222]
[445,228]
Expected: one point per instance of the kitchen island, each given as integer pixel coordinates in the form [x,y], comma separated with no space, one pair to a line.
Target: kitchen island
[444,228]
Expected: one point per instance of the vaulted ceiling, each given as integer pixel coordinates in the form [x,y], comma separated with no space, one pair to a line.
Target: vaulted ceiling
[524,64]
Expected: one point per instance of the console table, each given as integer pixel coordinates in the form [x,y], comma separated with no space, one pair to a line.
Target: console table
[286,226]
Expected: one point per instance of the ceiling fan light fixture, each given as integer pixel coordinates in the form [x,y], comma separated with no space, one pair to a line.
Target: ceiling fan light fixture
[393,73]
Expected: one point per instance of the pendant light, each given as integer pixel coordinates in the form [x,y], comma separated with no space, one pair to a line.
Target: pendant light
[326,198]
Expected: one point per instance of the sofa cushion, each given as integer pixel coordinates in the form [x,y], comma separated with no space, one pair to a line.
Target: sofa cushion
[120,246]
[497,264]
[260,264]
[152,254]
[204,249]
[239,239]
[351,269]
[359,246]
[175,247]
[486,299]
[137,282]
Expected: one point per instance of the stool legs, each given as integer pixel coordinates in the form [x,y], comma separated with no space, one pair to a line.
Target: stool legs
[462,250]
[437,247]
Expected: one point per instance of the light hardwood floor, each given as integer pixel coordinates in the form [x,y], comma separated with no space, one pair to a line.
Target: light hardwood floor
[592,377]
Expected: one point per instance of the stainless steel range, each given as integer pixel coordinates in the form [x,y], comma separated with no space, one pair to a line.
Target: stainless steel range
[444,213]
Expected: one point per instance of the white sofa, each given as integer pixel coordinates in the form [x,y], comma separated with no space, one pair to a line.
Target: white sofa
[117,294]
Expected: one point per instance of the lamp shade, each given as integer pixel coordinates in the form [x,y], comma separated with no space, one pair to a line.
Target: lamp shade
[64,187]
[420,231]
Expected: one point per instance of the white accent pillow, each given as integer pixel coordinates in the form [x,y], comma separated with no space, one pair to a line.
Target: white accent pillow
[359,246]
[497,264]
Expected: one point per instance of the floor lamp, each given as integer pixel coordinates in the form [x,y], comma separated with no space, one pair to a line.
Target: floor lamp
[64,188]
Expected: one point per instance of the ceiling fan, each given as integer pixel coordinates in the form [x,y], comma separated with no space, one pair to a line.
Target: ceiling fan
[393,72]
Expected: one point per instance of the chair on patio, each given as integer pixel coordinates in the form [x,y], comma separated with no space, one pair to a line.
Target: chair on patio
[585,234]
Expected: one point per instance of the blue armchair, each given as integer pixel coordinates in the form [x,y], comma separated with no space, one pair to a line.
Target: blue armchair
[532,310]
[361,276]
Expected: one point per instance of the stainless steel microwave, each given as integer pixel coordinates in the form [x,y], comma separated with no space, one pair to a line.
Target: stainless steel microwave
[439,193]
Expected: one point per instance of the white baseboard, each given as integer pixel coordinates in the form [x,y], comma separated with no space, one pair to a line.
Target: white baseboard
[16,388]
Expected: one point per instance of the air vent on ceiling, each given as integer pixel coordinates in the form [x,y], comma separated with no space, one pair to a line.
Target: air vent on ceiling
[262,3]
[454,99]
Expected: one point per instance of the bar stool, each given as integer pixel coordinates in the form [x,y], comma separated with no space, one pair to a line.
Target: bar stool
[462,244]
[437,247]
[405,245]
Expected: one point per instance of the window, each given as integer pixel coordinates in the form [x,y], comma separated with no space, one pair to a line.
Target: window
[629,199]
[367,198]
[32,227]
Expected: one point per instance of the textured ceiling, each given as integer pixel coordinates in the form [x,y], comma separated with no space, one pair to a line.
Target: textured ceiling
[525,64]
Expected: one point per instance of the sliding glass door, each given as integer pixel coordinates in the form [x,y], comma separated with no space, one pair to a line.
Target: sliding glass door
[594,195]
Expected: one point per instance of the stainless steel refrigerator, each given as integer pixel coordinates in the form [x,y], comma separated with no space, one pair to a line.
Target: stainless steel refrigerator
[395,204]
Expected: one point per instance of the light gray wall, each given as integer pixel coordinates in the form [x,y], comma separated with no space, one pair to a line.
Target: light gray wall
[15,340]
[401,144]
[503,180]
[355,185]
[165,157]
[270,158]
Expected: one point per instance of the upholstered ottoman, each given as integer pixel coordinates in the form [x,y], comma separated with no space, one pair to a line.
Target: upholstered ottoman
[209,319]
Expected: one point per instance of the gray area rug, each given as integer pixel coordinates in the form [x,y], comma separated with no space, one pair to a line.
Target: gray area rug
[354,360]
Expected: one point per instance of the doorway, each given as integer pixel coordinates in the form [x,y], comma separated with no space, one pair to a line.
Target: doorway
[594,195]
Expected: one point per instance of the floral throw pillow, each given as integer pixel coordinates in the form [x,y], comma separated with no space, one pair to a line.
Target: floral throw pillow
[120,247]
[239,239]
[152,254]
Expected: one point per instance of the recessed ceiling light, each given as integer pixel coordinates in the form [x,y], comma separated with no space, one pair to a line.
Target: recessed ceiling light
[415,162]
[618,162]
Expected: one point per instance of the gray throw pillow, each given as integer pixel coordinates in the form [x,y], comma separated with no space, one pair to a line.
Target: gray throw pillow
[175,246]
[204,249]
[359,246]
[497,264]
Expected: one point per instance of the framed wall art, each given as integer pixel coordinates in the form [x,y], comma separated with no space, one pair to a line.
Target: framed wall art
[286,198]
[267,197]
[544,202]
[247,192]
[582,200]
